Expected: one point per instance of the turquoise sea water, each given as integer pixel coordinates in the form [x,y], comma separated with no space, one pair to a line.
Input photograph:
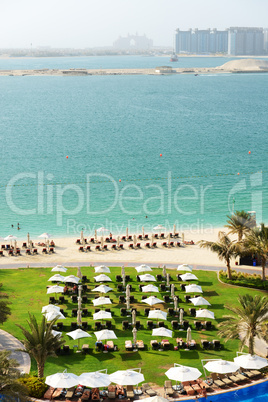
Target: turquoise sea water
[113,130]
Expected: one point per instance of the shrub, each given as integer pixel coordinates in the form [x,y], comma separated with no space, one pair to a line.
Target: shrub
[245,280]
[36,386]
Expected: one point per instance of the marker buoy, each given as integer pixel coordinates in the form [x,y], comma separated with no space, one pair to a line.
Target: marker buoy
[249,152]
[238,173]
[119,180]
[160,154]
[67,157]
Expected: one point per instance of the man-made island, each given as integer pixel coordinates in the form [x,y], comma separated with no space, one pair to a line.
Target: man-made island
[234,66]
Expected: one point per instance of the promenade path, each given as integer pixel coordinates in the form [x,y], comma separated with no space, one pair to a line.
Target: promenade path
[9,342]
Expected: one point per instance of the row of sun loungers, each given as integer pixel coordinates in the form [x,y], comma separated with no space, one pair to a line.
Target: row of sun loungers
[129,238]
[132,246]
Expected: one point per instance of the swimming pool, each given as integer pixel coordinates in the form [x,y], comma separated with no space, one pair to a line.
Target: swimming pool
[255,393]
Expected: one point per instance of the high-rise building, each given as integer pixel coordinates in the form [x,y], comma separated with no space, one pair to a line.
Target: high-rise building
[245,41]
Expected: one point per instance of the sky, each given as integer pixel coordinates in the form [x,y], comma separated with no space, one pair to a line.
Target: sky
[95,23]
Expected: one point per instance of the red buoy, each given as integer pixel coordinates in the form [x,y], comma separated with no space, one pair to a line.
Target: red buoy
[67,157]
[160,154]
[238,173]
[119,180]
[249,152]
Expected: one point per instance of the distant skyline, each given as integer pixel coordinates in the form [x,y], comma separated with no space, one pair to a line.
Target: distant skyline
[88,23]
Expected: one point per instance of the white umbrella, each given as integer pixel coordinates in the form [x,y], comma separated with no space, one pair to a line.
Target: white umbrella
[157,314]
[10,238]
[174,230]
[79,300]
[189,335]
[102,269]
[101,301]
[205,313]
[167,279]
[57,278]
[118,241]
[248,361]
[96,237]
[50,307]
[221,366]
[159,227]
[183,373]
[181,316]
[128,290]
[102,242]
[175,303]
[188,277]
[152,240]
[143,268]
[123,276]
[105,334]
[79,273]
[127,233]
[45,236]
[102,289]
[193,289]
[135,240]
[95,379]
[62,380]
[102,230]
[133,317]
[126,377]
[102,315]
[28,239]
[162,331]
[102,278]
[72,279]
[78,334]
[172,290]
[152,300]
[182,237]
[134,331]
[142,229]
[51,315]
[128,302]
[199,301]
[164,271]
[149,289]
[79,317]
[185,267]
[147,278]
[123,270]
[82,237]
[56,333]
[55,289]
[59,268]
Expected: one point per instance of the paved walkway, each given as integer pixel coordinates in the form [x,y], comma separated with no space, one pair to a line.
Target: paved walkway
[9,342]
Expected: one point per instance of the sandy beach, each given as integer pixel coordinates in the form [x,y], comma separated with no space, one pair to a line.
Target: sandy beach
[67,251]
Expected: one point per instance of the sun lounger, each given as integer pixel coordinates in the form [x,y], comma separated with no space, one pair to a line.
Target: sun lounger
[147,389]
[110,346]
[216,380]
[128,345]
[56,394]
[169,391]
[234,378]
[140,344]
[95,395]
[49,392]
[111,391]
[70,393]
[119,390]
[147,245]
[165,344]
[130,391]
[86,395]
[225,379]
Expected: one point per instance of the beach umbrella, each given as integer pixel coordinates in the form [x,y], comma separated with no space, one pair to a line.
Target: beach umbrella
[102,315]
[59,268]
[164,271]
[135,240]
[51,315]
[134,331]
[50,307]
[105,334]
[147,278]
[133,313]
[152,300]
[102,242]
[101,301]
[167,279]
[15,245]
[149,289]
[188,277]
[10,238]
[79,273]
[102,269]
[174,230]
[96,237]
[45,236]
[31,246]
[102,278]
[102,289]
[143,268]
[79,318]
[162,331]
[123,270]
[62,380]
[189,335]
[157,314]
[185,267]
[124,279]
[95,379]
[248,361]
[159,228]
[142,231]
[118,241]
[221,366]
[199,301]
[82,237]
[168,239]
[56,333]
[57,278]
[183,373]
[193,289]
[28,239]
[172,290]
[78,334]
[175,304]
[72,279]
[102,230]
[152,240]
[128,302]
[128,291]
[127,232]
[181,316]
[205,313]
[182,237]
[47,244]
[126,377]
[79,301]
[55,289]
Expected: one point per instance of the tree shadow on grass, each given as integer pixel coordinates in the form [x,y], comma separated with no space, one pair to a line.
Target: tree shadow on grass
[189,354]
[211,293]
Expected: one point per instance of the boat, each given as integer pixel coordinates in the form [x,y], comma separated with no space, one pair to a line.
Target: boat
[174,57]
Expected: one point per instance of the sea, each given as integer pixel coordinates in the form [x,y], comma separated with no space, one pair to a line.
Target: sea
[117,152]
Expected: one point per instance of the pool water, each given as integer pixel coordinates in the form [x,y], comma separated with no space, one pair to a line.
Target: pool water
[255,393]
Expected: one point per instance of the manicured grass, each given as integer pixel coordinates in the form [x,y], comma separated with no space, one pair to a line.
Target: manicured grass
[27,292]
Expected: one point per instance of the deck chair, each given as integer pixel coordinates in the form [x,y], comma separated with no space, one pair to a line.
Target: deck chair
[147,389]
[225,379]
[169,391]
[130,392]
[111,391]
[216,380]
[49,392]
[70,393]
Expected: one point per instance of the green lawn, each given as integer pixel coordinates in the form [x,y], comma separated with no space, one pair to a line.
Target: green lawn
[27,292]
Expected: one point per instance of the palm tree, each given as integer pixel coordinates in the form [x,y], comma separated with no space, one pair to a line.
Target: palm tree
[225,248]
[10,388]
[4,309]
[40,343]
[248,323]
[256,242]
[239,223]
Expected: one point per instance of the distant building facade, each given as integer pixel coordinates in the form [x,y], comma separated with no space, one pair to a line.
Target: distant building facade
[133,42]
[233,41]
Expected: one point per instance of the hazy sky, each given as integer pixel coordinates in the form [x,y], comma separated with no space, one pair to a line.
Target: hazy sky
[90,23]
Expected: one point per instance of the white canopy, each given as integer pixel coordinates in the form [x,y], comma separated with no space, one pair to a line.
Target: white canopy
[193,289]
[102,315]
[126,377]
[50,307]
[205,313]
[72,279]
[102,289]
[105,334]
[102,269]
[183,373]
[159,227]
[199,301]
[143,268]
[10,238]
[55,289]
[248,361]
[57,278]
[150,288]
[62,380]
[59,268]
[147,278]
[162,331]
[221,366]
[78,334]
[102,278]
[157,314]
[45,236]
[101,300]
[185,267]
[188,277]
[152,300]
[51,315]
[95,379]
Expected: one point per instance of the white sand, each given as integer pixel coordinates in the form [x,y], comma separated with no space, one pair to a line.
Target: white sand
[245,65]
[66,251]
